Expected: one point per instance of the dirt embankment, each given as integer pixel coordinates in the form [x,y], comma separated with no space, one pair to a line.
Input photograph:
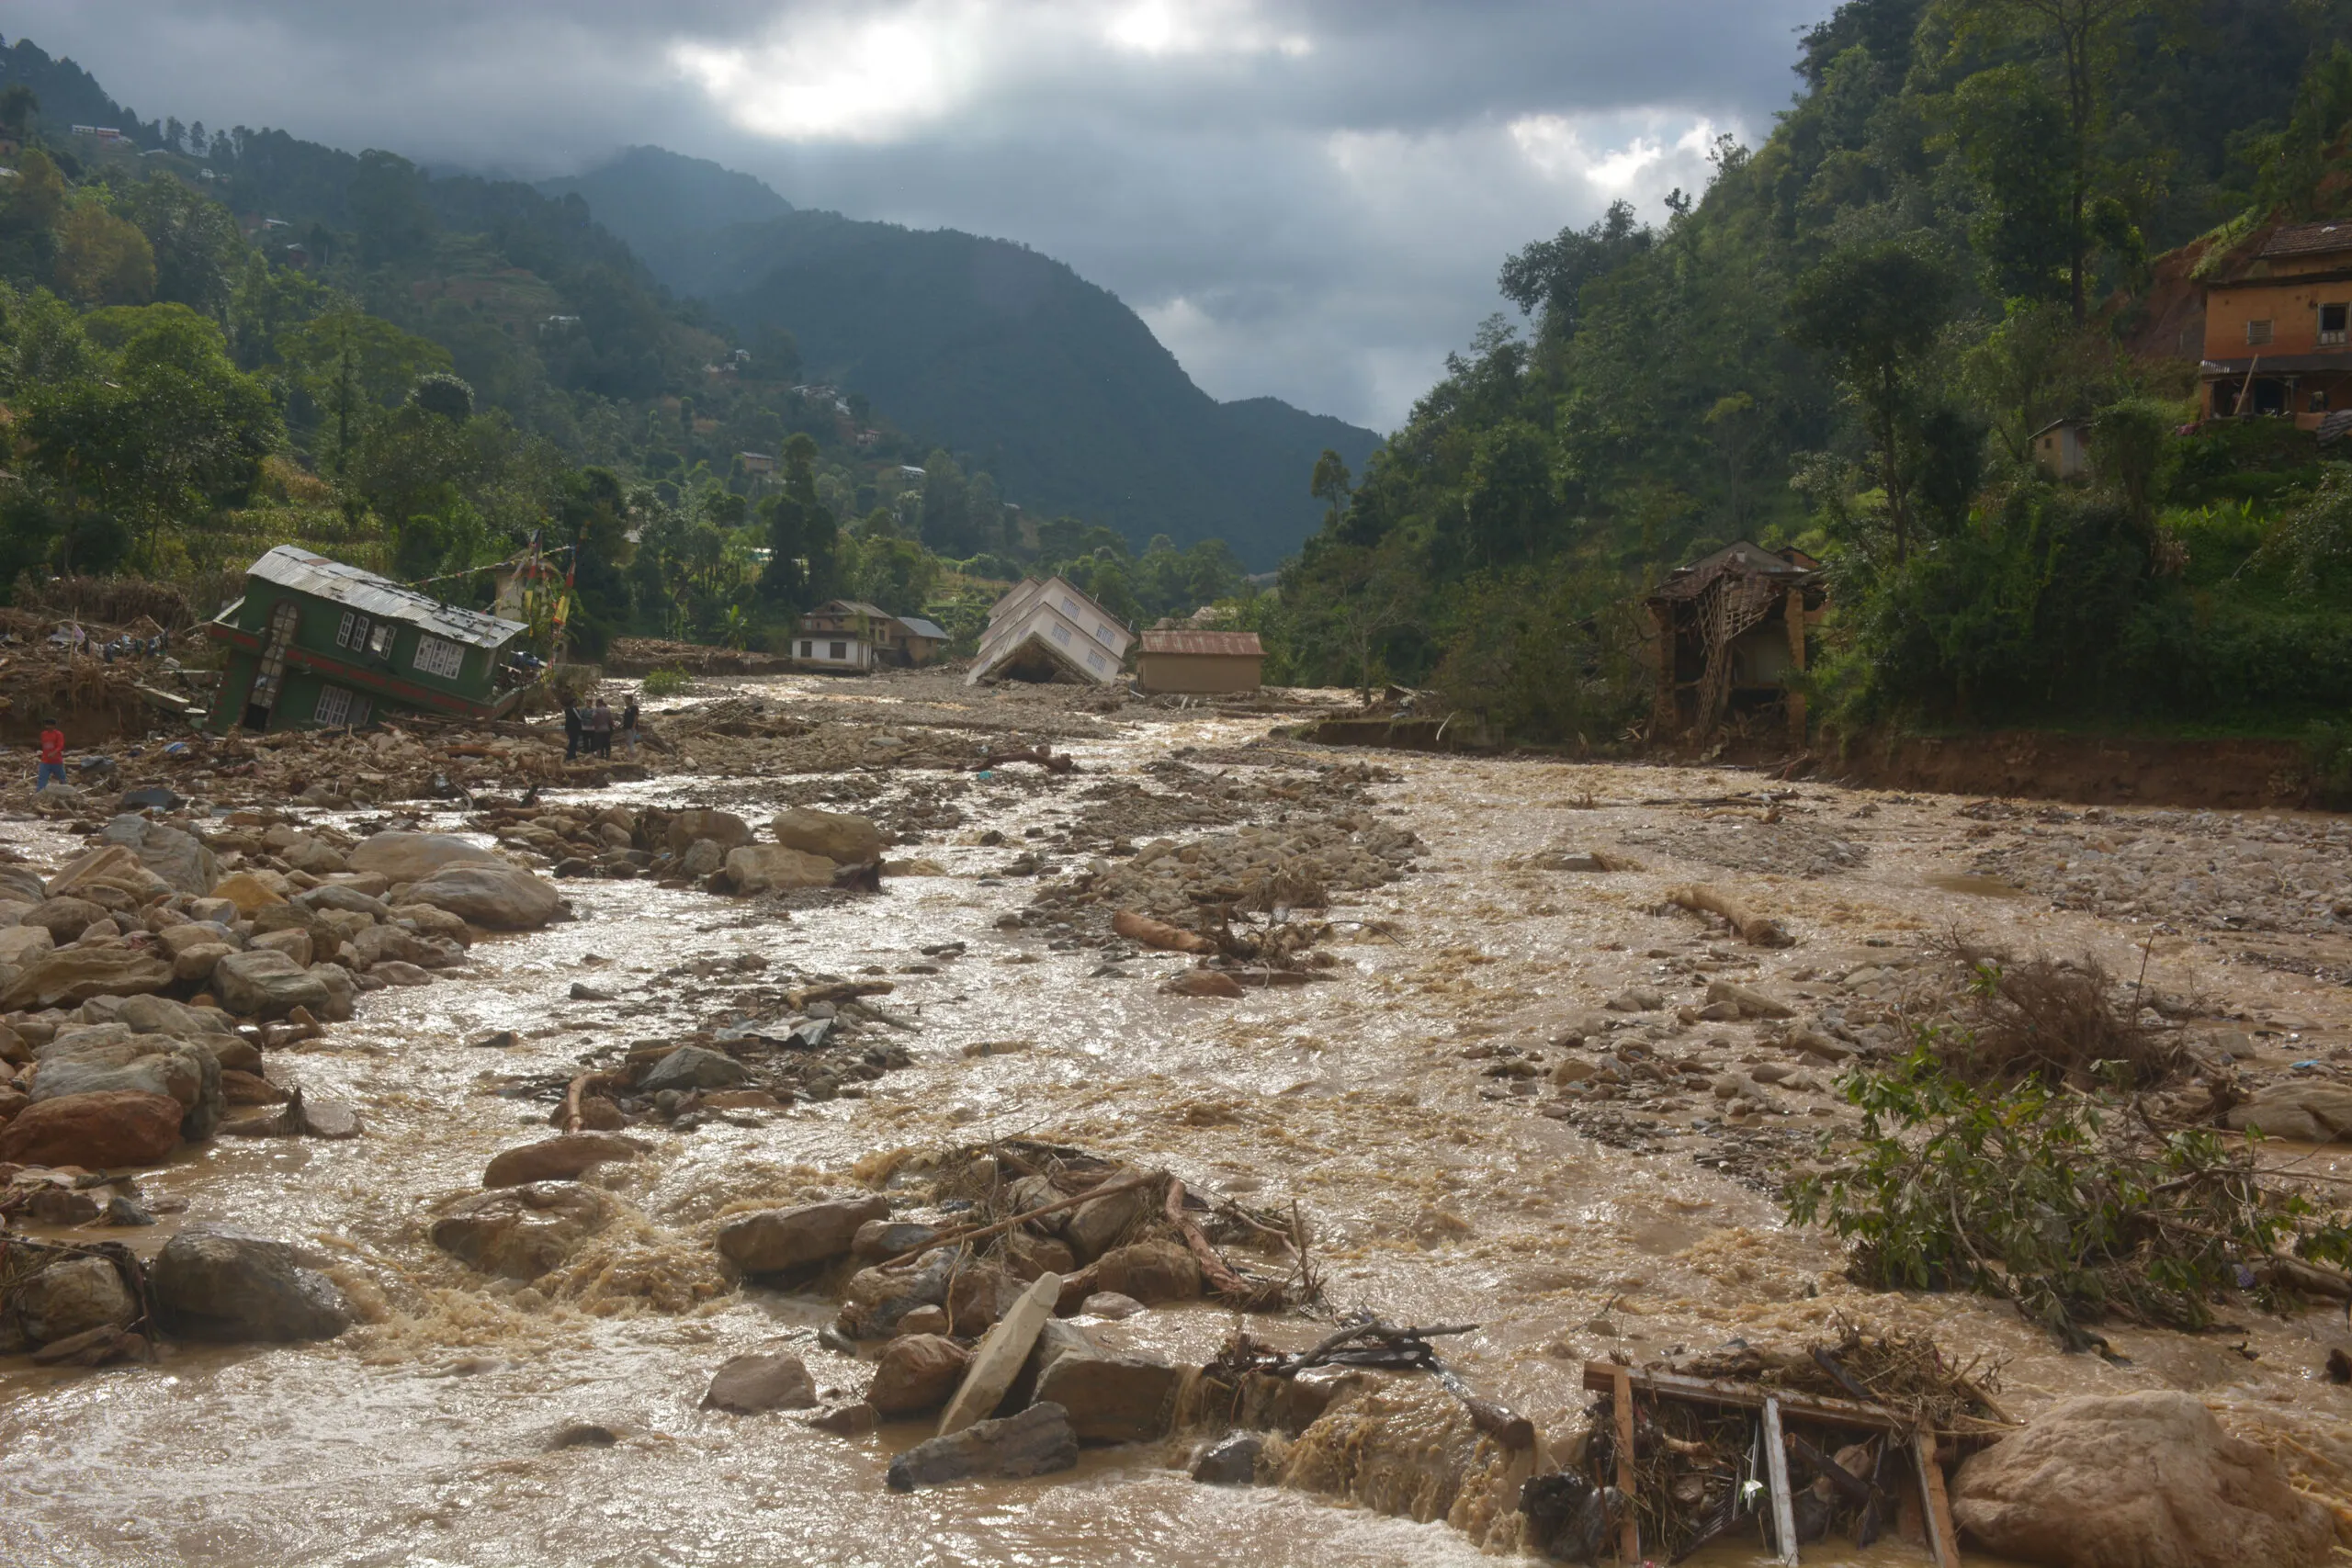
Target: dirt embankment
[2237,774]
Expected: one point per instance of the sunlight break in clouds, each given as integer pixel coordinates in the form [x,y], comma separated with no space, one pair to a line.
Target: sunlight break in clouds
[881,73]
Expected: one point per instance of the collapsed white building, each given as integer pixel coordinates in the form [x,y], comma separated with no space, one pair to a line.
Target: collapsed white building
[1049,630]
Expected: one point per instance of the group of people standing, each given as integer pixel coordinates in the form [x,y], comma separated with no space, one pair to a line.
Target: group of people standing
[591,729]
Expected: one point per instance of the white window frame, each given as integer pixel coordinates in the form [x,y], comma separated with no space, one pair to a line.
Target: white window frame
[339,707]
[1096,661]
[380,639]
[1061,634]
[438,656]
[352,633]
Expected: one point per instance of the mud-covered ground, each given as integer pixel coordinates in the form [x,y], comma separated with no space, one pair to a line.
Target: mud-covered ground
[1472,1131]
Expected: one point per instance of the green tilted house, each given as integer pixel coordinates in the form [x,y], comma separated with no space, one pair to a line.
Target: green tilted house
[316,643]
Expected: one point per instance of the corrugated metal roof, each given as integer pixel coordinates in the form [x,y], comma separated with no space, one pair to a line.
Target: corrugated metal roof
[2307,239]
[289,565]
[922,628]
[1231,645]
[1746,558]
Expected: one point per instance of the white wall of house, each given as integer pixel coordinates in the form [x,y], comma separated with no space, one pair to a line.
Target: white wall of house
[833,653]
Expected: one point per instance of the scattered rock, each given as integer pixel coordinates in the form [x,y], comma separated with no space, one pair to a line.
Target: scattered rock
[722,828]
[1038,1442]
[103,1058]
[998,1359]
[521,1232]
[762,868]
[2303,1111]
[1111,1306]
[692,1067]
[1204,983]
[112,1127]
[178,858]
[1112,1399]
[837,835]
[850,1420]
[1151,1272]
[2144,1480]
[495,896]
[924,1320]
[778,1239]
[1638,998]
[562,1158]
[880,1239]
[1748,1003]
[329,1119]
[1096,1226]
[412,857]
[749,1385]
[71,1297]
[917,1372]
[66,976]
[1231,1461]
[218,1284]
[264,984]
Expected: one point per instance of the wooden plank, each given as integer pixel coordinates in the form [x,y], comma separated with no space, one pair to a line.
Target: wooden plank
[1601,1377]
[1776,1470]
[1944,1540]
[1621,1388]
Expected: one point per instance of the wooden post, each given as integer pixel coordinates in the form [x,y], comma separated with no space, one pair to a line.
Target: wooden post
[1796,629]
[1665,715]
[1776,1470]
[1944,1540]
[1629,1538]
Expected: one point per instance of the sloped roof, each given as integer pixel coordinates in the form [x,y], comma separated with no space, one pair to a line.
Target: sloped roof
[922,628]
[1179,639]
[289,565]
[1743,558]
[854,607]
[2307,239]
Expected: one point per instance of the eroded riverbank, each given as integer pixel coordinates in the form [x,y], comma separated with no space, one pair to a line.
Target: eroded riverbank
[1569,1222]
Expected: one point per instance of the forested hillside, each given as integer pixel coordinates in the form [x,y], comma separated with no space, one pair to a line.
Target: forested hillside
[1844,343]
[212,341]
[1053,384]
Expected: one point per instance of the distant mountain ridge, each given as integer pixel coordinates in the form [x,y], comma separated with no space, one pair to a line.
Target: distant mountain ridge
[1048,381]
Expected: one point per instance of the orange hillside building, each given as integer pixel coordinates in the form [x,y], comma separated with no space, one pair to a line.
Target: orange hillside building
[2276,330]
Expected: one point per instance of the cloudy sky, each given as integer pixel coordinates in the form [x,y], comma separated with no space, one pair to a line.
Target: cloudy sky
[1304,197]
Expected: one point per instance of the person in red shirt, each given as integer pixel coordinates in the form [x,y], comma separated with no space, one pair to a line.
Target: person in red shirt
[52,755]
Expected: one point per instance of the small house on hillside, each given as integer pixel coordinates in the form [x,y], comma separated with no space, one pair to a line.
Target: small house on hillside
[1731,628]
[2061,448]
[1179,658]
[2278,329]
[315,642]
[1050,631]
[849,634]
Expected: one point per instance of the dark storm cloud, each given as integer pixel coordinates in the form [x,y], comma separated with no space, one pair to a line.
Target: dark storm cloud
[1306,199]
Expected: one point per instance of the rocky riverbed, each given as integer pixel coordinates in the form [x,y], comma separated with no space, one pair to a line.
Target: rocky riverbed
[1507,1081]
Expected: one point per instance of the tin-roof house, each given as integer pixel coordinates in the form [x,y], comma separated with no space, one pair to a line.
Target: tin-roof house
[316,642]
[1048,631]
[849,633]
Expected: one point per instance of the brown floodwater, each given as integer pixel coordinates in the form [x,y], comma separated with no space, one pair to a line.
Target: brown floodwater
[421,1437]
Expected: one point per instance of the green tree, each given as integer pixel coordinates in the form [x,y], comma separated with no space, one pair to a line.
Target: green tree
[18,105]
[198,251]
[101,259]
[1332,484]
[389,209]
[1875,311]
[803,539]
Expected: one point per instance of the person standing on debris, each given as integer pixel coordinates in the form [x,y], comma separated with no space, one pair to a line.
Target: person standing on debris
[52,756]
[572,726]
[600,727]
[628,724]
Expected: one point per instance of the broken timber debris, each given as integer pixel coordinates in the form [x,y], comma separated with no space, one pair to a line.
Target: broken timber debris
[1757,931]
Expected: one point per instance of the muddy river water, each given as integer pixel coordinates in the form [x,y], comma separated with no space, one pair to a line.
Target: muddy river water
[421,1435]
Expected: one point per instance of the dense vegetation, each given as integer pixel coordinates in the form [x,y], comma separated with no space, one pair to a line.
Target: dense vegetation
[212,341]
[1844,344]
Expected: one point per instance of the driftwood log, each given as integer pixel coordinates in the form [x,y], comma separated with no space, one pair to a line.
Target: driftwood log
[1045,757]
[1757,931]
[1159,933]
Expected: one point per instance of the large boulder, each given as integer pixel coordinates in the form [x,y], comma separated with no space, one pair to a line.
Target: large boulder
[2144,1480]
[875,1301]
[1150,1271]
[159,1015]
[178,858]
[67,976]
[101,1057]
[1038,1442]
[214,1282]
[749,1385]
[1112,1399]
[251,891]
[112,1127]
[396,944]
[497,898]
[777,1239]
[522,1231]
[2307,1111]
[21,944]
[413,857]
[838,836]
[109,866]
[724,828]
[917,1372]
[21,883]
[763,868]
[72,1296]
[64,919]
[336,895]
[176,940]
[262,983]
[1096,1226]
[562,1159]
